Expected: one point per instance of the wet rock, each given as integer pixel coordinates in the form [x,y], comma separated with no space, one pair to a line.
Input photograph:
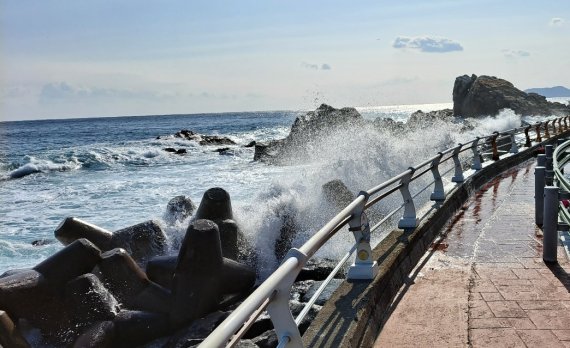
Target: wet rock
[89,301]
[215,140]
[181,151]
[42,242]
[130,285]
[98,335]
[287,233]
[266,340]
[475,96]
[179,209]
[170,149]
[423,119]
[10,336]
[307,129]
[297,307]
[196,283]
[133,328]
[319,270]
[141,241]
[389,125]
[77,258]
[250,144]
[300,288]
[221,149]
[260,325]
[337,194]
[197,331]
[187,134]
[325,295]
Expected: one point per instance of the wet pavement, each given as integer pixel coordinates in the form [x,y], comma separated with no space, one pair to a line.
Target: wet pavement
[484,284]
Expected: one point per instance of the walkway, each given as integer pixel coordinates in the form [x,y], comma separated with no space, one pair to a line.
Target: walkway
[485,284]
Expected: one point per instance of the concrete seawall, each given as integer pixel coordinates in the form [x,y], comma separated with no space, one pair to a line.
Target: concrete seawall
[356,312]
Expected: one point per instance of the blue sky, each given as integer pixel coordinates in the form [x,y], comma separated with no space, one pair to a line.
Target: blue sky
[86,58]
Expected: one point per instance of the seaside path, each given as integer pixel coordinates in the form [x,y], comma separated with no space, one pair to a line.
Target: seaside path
[484,283]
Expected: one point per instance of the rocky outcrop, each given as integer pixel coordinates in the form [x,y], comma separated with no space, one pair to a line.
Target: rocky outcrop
[483,95]
[203,139]
[304,131]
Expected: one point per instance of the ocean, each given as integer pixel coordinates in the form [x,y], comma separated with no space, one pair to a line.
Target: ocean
[113,172]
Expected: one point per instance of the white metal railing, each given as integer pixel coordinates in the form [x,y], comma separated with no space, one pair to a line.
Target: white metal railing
[273,294]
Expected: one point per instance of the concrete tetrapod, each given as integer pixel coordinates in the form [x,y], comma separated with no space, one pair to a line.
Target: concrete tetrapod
[215,205]
[142,240]
[127,281]
[202,275]
[238,278]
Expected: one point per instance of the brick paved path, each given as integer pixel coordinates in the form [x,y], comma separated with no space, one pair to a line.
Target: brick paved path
[485,284]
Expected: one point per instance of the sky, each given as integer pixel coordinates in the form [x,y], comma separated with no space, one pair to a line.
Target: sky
[93,58]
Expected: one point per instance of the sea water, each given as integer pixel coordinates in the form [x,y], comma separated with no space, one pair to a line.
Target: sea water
[114,172]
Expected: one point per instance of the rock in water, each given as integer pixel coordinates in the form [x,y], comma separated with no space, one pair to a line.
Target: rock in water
[99,335]
[306,130]
[475,96]
[196,282]
[179,209]
[337,194]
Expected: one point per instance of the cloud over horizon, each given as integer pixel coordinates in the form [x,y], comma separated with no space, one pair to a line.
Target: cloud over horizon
[312,66]
[556,22]
[427,44]
[515,53]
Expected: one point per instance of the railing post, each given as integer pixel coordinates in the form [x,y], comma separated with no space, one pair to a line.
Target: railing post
[514,147]
[546,131]
[528,143]
[458,175]
[495,156]
[476,155]
[549,172]
[364,266]
[538,137]
[550,225]
[409,220]
[438,193]
[286,330]
[539,195]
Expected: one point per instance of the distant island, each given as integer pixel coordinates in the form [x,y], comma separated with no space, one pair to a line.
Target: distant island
[550,92]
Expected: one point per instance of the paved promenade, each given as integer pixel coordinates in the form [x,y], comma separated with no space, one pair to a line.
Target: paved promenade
[485,284]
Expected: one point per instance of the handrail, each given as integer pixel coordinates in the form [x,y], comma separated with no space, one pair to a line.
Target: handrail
[274,291]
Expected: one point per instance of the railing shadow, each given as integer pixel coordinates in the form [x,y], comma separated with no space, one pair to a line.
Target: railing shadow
[560,273]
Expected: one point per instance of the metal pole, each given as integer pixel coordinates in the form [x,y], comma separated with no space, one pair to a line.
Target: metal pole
[549,173]
[539,195]
[550,225]
[541,160]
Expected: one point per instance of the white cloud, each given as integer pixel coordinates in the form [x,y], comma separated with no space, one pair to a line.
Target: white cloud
[312,66]
[557,22]
[427,44]
[515,53]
